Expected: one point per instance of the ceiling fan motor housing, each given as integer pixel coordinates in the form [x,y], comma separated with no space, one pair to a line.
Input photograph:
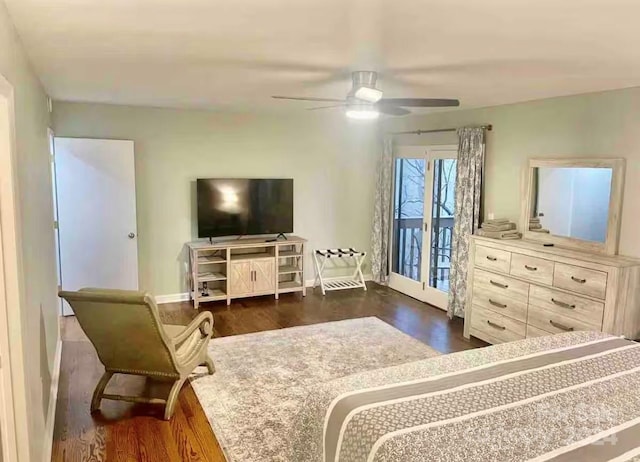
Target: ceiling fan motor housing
[364,79]
[363,90]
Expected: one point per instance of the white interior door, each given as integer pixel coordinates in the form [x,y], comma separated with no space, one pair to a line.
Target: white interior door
[96,194]
[422,222]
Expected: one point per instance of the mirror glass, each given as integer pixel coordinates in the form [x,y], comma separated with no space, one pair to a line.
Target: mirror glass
[571,202]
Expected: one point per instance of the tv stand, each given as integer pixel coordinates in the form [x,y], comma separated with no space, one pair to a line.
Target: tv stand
[245,268]
[283,236]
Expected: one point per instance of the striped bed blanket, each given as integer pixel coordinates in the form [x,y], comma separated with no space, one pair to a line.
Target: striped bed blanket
[568,397]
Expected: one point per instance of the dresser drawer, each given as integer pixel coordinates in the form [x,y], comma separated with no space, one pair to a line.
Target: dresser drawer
[571,306]
[501,294]
[493,259]
[532,268]
[535,332]
[497,326]
[555,322]
[581,280]
[514,289]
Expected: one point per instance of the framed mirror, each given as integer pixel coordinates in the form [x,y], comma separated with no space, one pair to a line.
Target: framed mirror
[574,203]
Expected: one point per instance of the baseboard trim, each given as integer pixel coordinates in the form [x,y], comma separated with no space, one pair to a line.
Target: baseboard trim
[184,297]
[53,402]
[172,298]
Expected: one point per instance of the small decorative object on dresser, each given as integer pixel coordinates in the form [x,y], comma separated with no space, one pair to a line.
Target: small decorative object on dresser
[245,268]
[567,277]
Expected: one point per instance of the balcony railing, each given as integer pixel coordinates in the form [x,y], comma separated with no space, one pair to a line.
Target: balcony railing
[407,242]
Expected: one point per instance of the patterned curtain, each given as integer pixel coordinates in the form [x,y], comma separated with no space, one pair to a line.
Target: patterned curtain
[471,151]
[382,215]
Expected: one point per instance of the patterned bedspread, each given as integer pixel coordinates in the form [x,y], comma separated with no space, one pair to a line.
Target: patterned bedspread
[569,397]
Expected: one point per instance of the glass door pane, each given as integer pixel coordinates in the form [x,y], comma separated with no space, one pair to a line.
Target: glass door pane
[408,217]
[442,211]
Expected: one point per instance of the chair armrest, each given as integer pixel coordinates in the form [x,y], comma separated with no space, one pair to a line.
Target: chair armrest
[204,322]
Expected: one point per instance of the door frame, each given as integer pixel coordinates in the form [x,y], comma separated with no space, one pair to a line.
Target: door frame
[14,418]
[418,289]
[52,151]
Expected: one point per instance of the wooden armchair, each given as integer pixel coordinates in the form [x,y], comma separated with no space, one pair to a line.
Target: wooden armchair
[125,329]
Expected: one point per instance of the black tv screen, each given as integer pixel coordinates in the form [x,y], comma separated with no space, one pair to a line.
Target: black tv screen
[234,207]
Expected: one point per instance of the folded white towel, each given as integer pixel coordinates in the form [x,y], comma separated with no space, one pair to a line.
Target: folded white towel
[497,221]
[498,227]
[500,234]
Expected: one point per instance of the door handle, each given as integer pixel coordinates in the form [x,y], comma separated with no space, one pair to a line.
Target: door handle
[131,235]
[426,226]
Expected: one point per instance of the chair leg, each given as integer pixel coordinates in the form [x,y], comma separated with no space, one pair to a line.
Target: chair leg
[97,393]
[209,363]
[173,398]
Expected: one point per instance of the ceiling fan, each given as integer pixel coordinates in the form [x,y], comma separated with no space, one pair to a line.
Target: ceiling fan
[365,101]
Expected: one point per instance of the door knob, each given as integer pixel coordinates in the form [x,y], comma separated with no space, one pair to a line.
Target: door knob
[132,235]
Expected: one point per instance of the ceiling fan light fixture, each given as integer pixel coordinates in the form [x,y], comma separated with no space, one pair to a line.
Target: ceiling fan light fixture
[362,113]
[371,95]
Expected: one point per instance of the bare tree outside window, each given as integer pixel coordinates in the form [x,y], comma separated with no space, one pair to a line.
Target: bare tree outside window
[410,175]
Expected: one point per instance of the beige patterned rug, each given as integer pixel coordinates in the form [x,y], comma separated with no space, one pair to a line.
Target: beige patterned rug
[261,379]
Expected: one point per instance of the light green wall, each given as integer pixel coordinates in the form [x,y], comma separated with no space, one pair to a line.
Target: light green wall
[39,311]
[331,161]
[593,125]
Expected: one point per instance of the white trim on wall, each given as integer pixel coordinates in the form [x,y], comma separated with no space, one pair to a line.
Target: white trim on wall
[184,297]
[53,402]
[14,418]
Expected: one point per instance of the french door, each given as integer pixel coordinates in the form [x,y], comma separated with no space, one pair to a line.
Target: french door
[422,221]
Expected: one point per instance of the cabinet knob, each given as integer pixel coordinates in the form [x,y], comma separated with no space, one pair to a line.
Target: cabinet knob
[131,235]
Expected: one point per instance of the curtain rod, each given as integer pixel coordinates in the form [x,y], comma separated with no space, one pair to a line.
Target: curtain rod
[488,127]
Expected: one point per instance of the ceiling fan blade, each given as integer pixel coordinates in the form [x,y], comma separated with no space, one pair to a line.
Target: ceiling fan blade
[392,110]
[303,98]
[420,102]
[325,107]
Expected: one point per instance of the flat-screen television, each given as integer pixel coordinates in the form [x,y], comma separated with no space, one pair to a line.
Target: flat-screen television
[235,207]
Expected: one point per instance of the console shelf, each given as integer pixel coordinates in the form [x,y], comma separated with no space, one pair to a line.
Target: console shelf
[289,269]
[239,268]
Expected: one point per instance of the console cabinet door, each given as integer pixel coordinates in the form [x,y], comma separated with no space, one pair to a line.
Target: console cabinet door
[264,277]
[240,280]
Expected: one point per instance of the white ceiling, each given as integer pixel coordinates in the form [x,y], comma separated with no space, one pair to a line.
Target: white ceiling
[234,54]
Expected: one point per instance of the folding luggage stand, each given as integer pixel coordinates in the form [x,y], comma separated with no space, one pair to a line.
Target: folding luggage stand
[321,257]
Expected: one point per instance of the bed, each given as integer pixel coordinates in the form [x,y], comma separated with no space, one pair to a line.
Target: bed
[568,397]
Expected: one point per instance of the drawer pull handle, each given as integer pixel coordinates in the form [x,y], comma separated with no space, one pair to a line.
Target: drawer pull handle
[531,268]
[560,326]
[578,280]
[499,305]
[496,326]
[563,304]
[497,284]
[491,258]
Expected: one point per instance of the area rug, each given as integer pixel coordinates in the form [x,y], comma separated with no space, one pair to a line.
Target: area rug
[262,379]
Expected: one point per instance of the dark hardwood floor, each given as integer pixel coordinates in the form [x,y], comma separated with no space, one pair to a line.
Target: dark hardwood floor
[135,432]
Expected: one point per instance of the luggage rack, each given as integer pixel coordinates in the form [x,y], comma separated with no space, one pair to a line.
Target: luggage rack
[321,257]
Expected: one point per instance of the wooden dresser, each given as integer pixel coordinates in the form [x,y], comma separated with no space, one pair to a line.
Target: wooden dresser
[520,289]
